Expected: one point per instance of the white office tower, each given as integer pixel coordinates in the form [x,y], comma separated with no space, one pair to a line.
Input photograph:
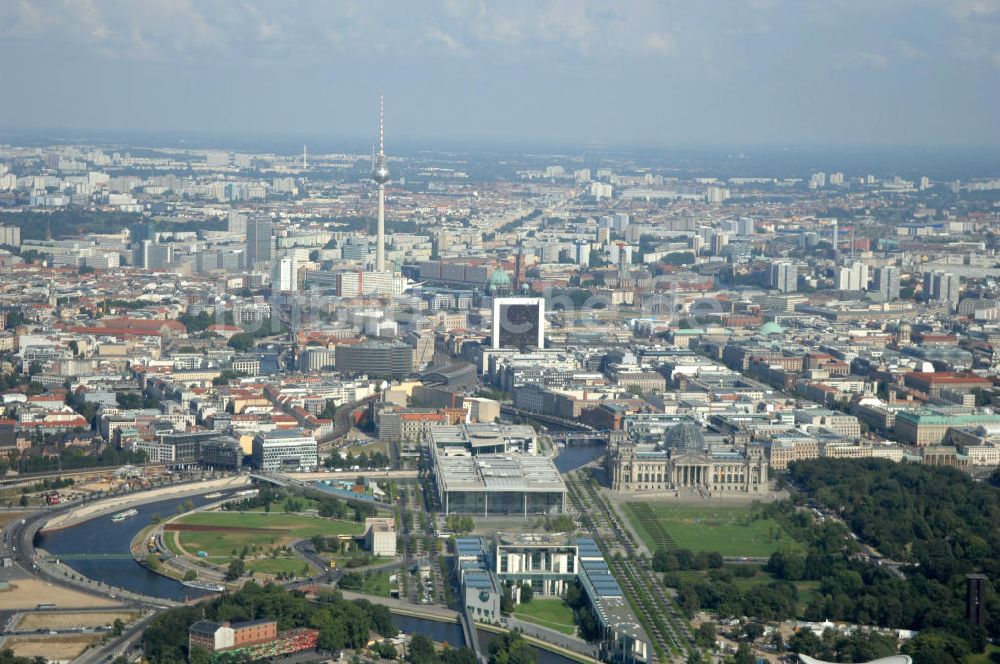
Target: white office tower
[380,175]
[853,277]
[153,256]
[619,253]
[285,275]
[719,241]
[621,222]
[601,190]
[237,223]
[925,183]
[784,277]
[582,175]
[837,179]
[716,194]
[745,227]
[887,282]
[817,181]
[582,255]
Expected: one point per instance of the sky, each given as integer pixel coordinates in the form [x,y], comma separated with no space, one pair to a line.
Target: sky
[585,72]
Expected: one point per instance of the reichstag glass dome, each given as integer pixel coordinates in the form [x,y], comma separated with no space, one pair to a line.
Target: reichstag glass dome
[684,437]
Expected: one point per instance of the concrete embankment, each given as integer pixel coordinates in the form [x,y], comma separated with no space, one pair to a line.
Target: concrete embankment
[430,612]
[125,501]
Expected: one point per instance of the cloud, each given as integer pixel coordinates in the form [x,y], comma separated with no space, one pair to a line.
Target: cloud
[907,51]
[858,59]
[659,43]
[436,36]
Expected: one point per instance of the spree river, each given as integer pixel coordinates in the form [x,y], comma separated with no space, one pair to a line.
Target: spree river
[572,457]
[100,535]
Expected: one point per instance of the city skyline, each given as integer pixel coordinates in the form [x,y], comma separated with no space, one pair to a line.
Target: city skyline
[762,72]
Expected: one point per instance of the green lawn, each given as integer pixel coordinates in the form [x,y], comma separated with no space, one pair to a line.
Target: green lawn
[277,566]
[729,530]
[984,658]
[548,612]
[286,528]
[371,584]
[282,506]
[377,584]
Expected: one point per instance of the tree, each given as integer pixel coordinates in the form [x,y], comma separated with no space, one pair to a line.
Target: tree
[23,502]
[744,655]
[805,642]
[665,561]
[190,575]
[153,562]
[421,650]
[506,601]
[385,650]
[237,568]
[936,648]
[511,648]
[199,655]
[753,631]
[527,592]
[117,627]
[241,342]
[706,635]
[329,411]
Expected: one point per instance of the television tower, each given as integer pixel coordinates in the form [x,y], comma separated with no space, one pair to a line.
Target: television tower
[380,175]
[305,161]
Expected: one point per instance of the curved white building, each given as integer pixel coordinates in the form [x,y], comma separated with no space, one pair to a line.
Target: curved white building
[894,659]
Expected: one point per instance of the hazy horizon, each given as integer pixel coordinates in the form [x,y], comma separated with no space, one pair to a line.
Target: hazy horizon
[638,74]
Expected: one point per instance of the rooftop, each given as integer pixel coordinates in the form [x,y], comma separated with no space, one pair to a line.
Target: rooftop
[499,472]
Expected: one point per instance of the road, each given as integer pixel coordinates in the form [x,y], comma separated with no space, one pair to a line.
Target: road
[115,647]
[84,472]
[663,623]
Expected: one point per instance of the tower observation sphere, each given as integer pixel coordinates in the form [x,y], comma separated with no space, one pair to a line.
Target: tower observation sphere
[381,172]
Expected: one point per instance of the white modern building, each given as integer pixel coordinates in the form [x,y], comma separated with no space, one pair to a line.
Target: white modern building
[284,451]
[284,275]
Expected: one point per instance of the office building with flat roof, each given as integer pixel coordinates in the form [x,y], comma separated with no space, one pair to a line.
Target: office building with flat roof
[378,359]
[498,484]
[284,450]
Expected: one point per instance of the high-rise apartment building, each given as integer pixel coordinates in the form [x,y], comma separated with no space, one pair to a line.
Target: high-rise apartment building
[887,282]
[236,223]
[853,277]
[784,277]
[942,287]
[285,275]
[259,240]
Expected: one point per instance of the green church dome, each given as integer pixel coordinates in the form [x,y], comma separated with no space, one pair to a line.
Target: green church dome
[769,328]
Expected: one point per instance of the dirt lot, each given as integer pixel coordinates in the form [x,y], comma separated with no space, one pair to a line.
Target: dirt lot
[50,647]
[7,517]
[35,621]
[28,593]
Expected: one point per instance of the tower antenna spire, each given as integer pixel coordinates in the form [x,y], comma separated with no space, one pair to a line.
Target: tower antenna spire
[381,126]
